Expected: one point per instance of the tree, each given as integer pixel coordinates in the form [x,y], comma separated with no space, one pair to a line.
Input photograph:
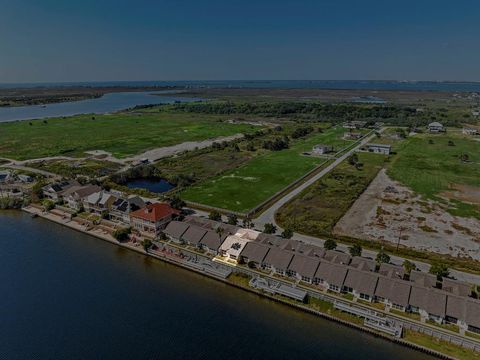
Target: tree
[382,257]
[176,203]
[441,270]
[287,233]
[330,244]
[269,228]
[147,244]
[247,222]
[232,219]
[409,266]
[219,230]
[122,234]
[215,216]
[355,250]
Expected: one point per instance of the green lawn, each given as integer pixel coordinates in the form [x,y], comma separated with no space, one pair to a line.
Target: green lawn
[430,168]
[316,210]
[247,186]
[122,134]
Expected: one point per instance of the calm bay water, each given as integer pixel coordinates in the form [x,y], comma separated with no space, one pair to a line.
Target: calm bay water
[108,103]
[66,295]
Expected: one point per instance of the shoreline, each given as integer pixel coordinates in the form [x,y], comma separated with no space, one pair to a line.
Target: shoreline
[298,307]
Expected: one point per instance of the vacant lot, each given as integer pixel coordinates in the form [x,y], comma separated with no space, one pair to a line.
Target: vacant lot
[316,210]
[122,134]
[90,168]
[243,188]
[432,166]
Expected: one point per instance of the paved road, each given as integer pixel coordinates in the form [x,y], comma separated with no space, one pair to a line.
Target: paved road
[268,216]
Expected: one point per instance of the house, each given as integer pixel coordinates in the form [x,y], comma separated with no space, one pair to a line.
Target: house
[212,240]
[303,268]
[352,136]
[456,287]
[74,196]
[379,148]
[150,220]
[337,257]
[233,245]
[423,279]
[175,230]
[193,235]
[99,202]
[435,127]
[254,253]
[121,208]
[277,260]
[391,271]
[364,264]
[354,124]
[430,303]
[361,284]
[394,293]
[24,178]
[330,276]
[321,149]
[5,177]
[55,191]
[470,131]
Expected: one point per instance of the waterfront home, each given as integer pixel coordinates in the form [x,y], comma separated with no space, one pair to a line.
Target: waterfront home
[470,131]
[74,196]
[212,240]
[394,293]
[391,271]
[175,230]
[277,260]
[99,203]
[303,268]
[464,312]
[150,220]
[337,257]
[456,287]
[233,245]
[429,303]
[379,148]
[193,235]
[330,276]
[56,190]
[435,127]
[254,253]
[121,208]
[423,279]
[361,263]
[321,149]
[361,284]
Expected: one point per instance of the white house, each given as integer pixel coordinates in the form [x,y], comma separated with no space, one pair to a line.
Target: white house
[321,149]
[234,244]
[435,127]
[379,148]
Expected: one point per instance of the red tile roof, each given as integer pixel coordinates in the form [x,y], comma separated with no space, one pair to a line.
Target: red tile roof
[154,212]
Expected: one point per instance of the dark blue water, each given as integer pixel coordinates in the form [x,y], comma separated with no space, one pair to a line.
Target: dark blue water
[105,104]
[156,186]
[66,295]
[303,84]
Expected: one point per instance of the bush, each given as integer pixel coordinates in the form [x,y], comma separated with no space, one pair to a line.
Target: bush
[330,244]
[122,234]
[215,216]
[269,228]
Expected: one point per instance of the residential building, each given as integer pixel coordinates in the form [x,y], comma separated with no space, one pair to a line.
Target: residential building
[337,257]
[233,245]
[456,287]
[394,293]
[430,303]
[99,202]
[303,268]
[277,260]
[152,219]
[423,279]
[74,196]
[352,136]
[121,208]
[330,276]
[321,149]
[56,190]
[364,264]
[379,148]
[470,131]
[435,127]
[361,284]
[391,271]
[254,253]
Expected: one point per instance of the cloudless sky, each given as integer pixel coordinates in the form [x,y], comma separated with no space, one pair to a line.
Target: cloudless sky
[102,40]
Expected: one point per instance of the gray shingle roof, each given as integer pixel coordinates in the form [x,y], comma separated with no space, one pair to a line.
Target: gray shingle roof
[396,291]
[423,279]
[193,235]
[431,300]
[304,266]
[254,251]
[456,287]
[391,270]
[278,258]
[363,282]
[361,263]
[212,240]
[337,257]
[176,229]
[333,274]
[473,313]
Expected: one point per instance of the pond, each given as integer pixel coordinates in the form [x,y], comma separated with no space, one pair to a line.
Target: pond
[153,185]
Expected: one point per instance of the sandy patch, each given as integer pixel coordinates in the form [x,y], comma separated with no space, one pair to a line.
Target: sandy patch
[465,193]
[389,211]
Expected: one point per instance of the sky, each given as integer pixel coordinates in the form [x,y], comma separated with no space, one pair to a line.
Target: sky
[108,40]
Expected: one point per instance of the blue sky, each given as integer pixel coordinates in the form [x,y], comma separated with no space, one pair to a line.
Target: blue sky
[53,40]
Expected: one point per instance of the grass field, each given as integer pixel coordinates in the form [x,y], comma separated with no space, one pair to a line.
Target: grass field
[429,166]
[122,134]
[255,181]
[91,168]
[316,210]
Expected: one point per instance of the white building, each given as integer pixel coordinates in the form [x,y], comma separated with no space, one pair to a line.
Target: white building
[379,148]
[321,149]
[435,127]
[234,244]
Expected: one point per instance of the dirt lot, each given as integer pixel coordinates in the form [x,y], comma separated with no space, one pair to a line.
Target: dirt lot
[388,211]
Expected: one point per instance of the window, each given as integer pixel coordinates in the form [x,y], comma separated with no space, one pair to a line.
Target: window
[474,329]
[334,288]
[347,289]
[364,296]
[306,278]
[398,307]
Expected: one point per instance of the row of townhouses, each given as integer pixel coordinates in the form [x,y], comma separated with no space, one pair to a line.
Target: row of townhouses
[447,301]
